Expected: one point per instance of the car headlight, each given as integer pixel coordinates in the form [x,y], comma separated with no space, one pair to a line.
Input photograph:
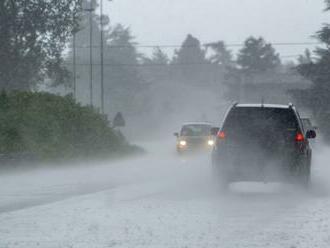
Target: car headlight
[210,142]
[183,143]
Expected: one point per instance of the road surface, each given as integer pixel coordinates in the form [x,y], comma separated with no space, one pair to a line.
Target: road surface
[160,200]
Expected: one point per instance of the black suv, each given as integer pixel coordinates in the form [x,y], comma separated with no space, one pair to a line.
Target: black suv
[262,142]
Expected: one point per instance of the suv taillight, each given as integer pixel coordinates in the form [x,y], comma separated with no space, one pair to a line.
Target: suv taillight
[299,137]
[221,135]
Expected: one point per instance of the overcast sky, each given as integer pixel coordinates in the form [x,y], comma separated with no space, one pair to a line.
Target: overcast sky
[167,22]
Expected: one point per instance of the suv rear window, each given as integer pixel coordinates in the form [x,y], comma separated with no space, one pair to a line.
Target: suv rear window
[256,123]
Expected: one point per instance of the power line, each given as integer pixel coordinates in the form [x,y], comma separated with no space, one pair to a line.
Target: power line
[145,65]
[203,45]
[176,65]
[154,65]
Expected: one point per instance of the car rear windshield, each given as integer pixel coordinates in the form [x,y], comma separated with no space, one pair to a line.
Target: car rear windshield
[253,122]
[195,130]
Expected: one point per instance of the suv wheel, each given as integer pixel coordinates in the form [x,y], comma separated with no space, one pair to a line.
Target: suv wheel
[220,178]
[304,173]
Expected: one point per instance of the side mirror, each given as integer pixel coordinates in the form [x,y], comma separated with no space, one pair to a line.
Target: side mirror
[214,131]
[310,134]
[176,135]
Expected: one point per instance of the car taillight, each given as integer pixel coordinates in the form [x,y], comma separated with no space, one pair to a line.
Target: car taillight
[221,135]
[299,137]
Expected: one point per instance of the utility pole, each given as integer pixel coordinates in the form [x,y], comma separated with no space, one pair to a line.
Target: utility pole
[90,10]
[74,58]
[102,58]
[74,67]
[91,54]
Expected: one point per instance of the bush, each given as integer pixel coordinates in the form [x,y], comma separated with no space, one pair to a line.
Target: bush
[53,127]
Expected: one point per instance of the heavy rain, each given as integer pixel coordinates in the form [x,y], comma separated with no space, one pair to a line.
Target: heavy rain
[159,123]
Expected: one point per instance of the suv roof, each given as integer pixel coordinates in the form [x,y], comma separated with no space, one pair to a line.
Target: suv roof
[261,105]
[197,123]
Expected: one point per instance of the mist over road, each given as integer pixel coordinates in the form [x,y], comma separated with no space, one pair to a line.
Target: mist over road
[160,200]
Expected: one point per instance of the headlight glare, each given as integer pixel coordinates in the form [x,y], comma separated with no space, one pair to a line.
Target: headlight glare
[183,143]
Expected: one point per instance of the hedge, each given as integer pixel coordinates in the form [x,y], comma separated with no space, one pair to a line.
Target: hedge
[52,127]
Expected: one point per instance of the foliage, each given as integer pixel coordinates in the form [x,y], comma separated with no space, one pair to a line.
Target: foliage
[190,61]
[159,57]
[327,2]
[316,98]
[122,79]
[156,68]
[222,55]
[33,37]
[53,127]
[190,51]
[306,58]
[124,82]
[257,56]
[257,63]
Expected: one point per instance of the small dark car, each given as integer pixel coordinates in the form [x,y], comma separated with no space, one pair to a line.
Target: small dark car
[194,137]
[262,142]
[307,124]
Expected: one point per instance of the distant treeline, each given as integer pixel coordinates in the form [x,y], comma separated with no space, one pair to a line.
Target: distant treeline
[53,48]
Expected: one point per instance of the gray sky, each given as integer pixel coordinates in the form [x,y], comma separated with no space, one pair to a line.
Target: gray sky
[157,22]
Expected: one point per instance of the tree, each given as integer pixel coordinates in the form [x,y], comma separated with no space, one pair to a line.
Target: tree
[316,98]
[33,38]
[223,62]
[190,51]
[306,58]
[126,89]
[156,68]
[158,57]
[257,67]
[122,79]
[222,55]
[190,61]
[257,56]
